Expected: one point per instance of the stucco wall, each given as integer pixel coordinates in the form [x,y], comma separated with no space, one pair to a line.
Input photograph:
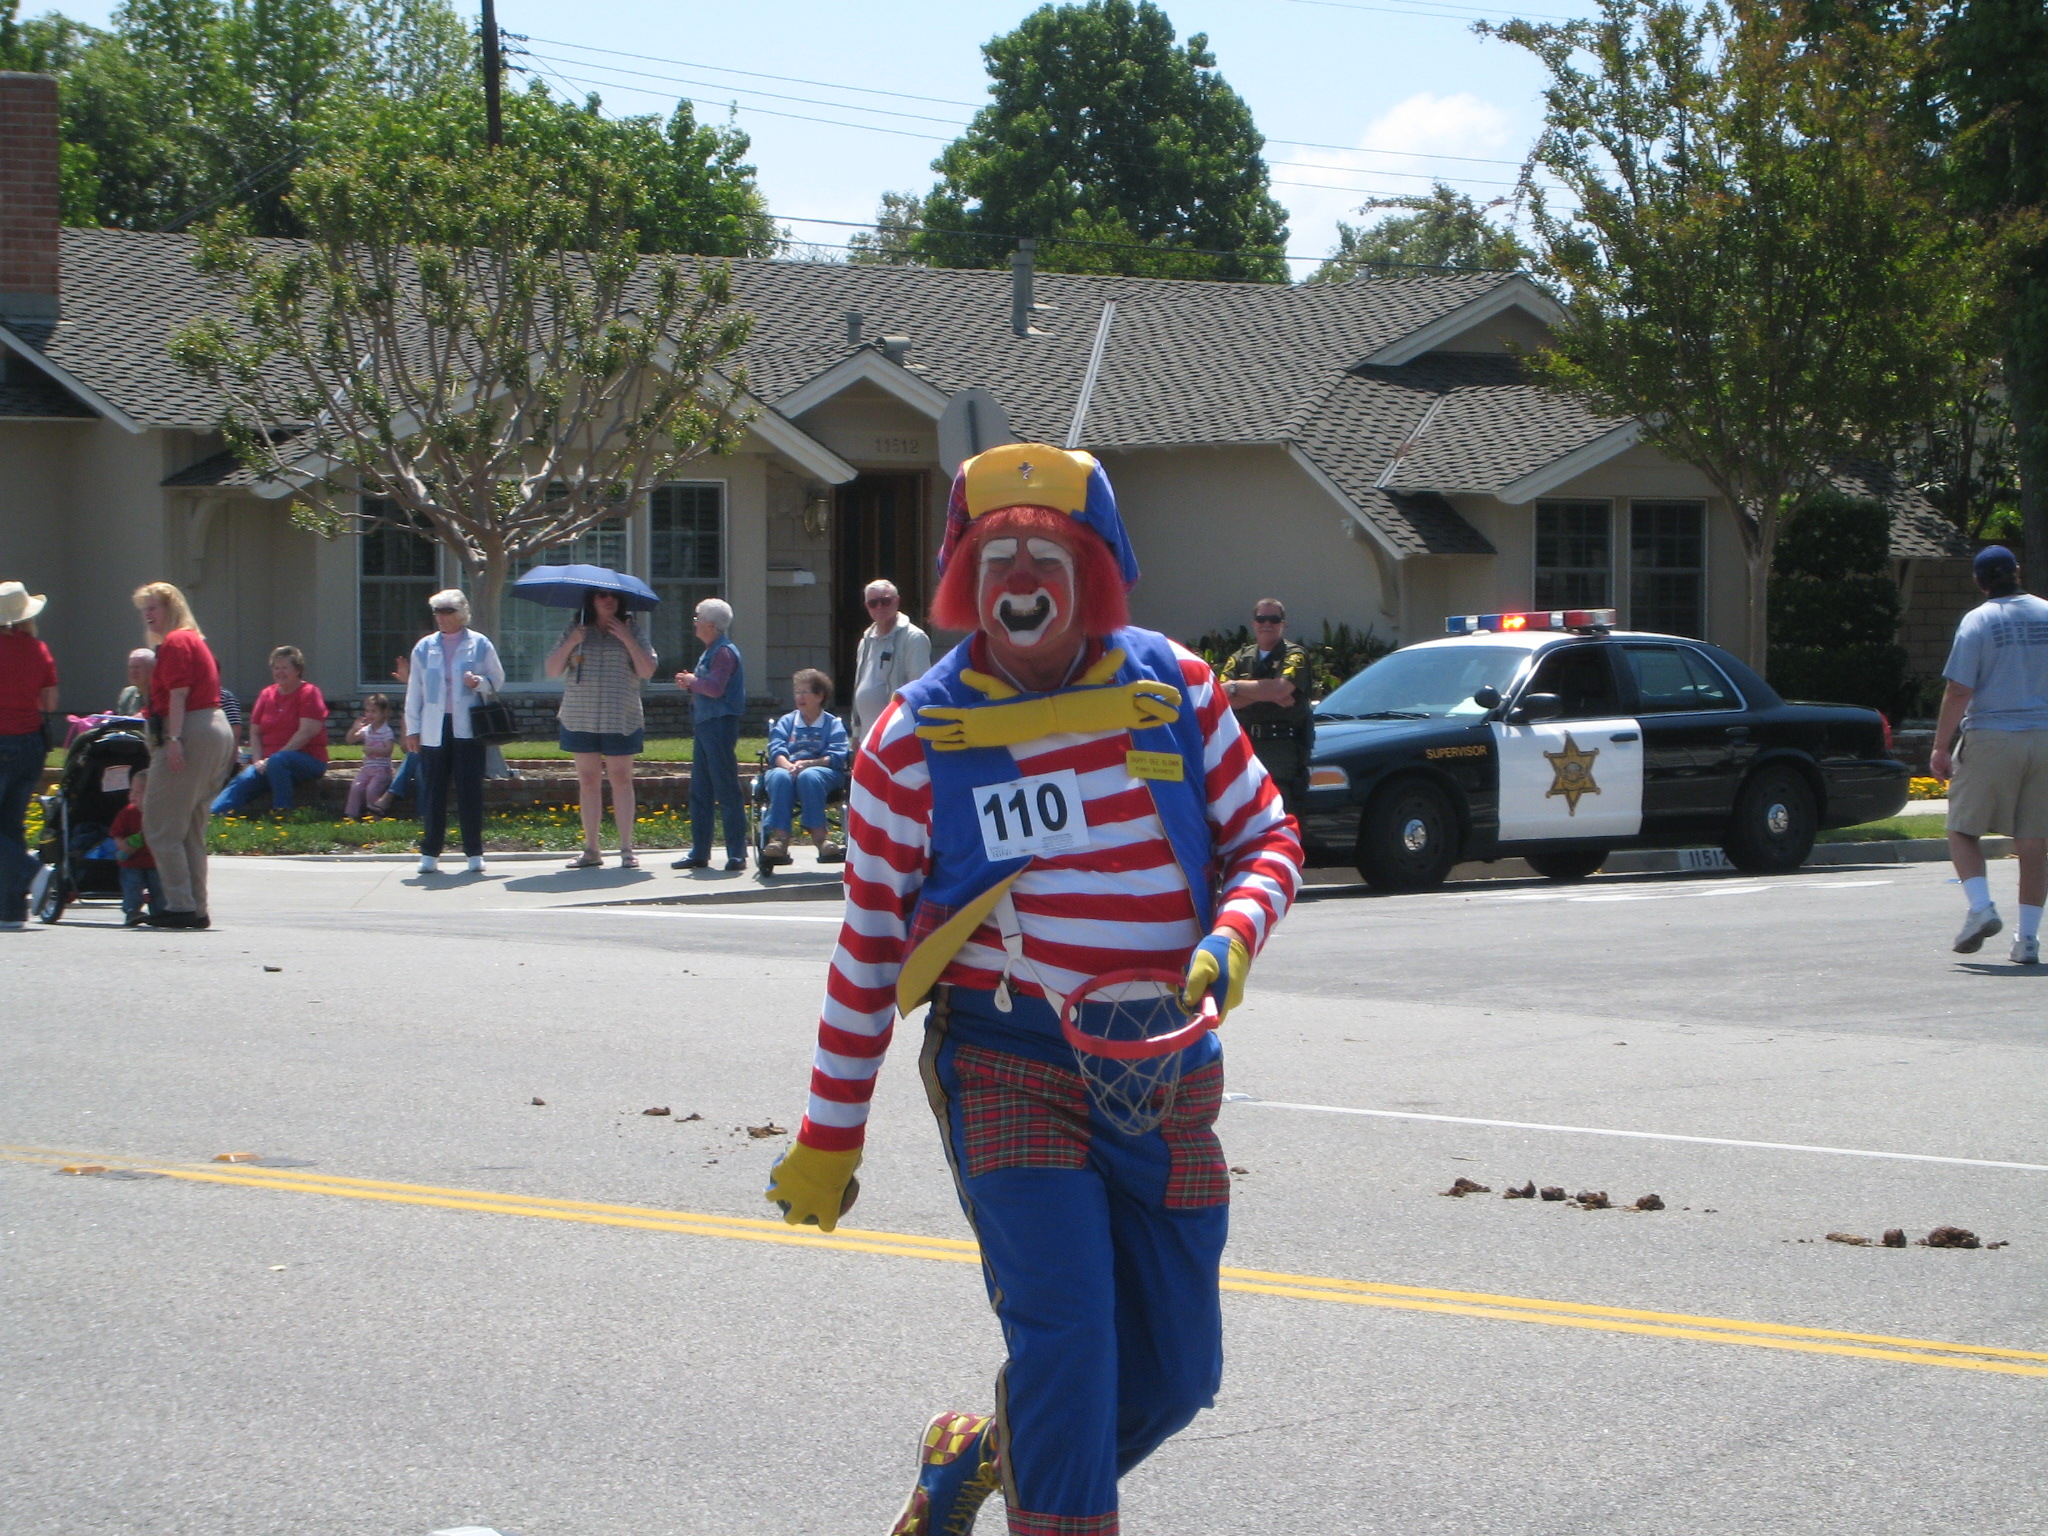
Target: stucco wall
[35,460]
[1507,582]
[1216,529]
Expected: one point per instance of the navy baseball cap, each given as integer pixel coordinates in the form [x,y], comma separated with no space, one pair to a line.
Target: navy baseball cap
[1994,561]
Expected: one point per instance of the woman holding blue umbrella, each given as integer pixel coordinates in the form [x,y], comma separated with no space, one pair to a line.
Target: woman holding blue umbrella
[602,661]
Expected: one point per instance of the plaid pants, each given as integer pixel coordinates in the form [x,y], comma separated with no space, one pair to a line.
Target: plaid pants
[1100,1251]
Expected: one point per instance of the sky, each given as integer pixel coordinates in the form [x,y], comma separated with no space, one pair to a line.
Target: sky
[1357,98]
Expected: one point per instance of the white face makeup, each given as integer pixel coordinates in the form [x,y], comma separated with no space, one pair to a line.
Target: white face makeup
[1027,589]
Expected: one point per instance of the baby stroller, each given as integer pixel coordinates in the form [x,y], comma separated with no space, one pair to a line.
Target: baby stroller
[78,858]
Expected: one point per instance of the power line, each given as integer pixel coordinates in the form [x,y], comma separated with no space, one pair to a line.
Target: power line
[748,90]
[755,74]
[938,139]
[1437,12]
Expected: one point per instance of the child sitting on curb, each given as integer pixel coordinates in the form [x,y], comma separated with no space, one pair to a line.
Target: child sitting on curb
[140,882]
[808,752]
[373,732]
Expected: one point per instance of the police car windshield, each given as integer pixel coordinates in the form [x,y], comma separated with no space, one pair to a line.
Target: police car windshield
[1423,681]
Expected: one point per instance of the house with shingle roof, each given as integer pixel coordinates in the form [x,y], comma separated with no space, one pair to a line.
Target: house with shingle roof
[1370,452]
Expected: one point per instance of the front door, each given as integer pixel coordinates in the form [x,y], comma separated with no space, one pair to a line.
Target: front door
[1579,775]
[877,531]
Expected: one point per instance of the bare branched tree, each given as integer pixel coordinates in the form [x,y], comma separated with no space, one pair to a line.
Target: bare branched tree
[478,341]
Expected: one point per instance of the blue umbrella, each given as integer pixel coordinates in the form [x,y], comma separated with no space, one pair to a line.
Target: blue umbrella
[563,586]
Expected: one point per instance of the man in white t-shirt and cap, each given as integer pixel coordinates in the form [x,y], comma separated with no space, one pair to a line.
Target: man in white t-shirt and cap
[893,652]
[1991,743]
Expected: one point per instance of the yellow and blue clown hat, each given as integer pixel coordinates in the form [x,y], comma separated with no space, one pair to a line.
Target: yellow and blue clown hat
[1037,475]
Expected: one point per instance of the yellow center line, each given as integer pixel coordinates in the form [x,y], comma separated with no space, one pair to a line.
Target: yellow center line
[1368,1293]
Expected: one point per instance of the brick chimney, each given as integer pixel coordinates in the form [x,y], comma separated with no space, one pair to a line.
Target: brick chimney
[29,206]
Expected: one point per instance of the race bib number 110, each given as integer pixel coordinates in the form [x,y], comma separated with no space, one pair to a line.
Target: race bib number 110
[1028,817]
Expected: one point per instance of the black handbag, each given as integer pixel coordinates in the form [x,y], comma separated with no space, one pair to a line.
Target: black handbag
[491,722]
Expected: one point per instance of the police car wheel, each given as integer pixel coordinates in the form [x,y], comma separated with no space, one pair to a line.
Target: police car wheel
[1409,839]
[1772,830]
[1575,864]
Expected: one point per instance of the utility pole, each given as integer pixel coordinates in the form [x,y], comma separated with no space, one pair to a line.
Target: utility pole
[494,69]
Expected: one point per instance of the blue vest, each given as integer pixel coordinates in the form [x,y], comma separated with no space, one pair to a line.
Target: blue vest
[705,706]
[960,871]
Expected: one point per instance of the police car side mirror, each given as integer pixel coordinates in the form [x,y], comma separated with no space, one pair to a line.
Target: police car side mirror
[1536,706]
[1487,697]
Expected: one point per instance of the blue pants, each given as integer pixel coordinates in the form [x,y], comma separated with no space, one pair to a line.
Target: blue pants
[457,763]
[1101,1253]
[280,773]
[21,769]
[810,786]
[140,887]
[715,787]
[404,783]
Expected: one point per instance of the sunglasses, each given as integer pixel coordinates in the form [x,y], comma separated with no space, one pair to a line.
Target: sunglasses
[881,602]
[1269,618]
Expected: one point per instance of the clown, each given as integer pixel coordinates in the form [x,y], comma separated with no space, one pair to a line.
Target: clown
[1100,1248]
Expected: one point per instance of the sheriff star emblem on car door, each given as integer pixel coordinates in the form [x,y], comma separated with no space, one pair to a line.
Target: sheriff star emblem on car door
[1572,774]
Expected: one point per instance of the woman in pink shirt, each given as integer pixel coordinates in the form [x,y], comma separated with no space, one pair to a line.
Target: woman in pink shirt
[288,726]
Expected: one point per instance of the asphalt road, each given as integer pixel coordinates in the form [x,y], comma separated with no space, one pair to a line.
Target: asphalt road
[439,1304]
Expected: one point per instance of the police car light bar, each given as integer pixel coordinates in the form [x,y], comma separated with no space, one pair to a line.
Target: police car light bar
[1556,618]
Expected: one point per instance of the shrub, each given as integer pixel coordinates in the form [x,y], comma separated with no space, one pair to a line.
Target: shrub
[1835,607]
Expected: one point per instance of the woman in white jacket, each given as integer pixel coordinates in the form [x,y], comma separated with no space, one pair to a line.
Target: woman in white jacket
[452,669]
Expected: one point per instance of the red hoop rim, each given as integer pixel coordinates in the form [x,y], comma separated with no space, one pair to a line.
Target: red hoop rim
[1134,1050]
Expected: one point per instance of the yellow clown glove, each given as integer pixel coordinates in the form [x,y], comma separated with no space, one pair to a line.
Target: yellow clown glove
[814,1188]
[1217,968]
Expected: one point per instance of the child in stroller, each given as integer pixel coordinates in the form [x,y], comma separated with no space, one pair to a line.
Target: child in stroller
[80,859]
[139,880]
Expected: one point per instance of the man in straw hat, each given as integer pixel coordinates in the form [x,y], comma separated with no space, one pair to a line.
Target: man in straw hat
[28,691]
[1100,1248]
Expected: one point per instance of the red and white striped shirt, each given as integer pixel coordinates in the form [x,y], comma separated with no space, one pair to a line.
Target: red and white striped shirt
[1121,901]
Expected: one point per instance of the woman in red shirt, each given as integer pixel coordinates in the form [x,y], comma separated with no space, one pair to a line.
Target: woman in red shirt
[289,727]
[194,746]
[28,691]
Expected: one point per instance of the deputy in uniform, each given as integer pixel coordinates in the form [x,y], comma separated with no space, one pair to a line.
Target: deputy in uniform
[1268,685]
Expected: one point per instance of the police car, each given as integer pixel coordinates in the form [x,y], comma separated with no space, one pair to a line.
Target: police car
[1551,737]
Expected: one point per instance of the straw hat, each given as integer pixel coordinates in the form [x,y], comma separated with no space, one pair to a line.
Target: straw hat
[16,606]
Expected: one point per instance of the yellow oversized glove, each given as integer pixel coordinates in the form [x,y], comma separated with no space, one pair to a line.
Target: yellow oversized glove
[814,1188]
[1217,967]
[1083,711]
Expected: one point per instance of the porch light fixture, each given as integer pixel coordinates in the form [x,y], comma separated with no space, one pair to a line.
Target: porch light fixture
[817,516]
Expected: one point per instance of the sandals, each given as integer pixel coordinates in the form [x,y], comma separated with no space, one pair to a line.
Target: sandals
[586,860]
[628,859]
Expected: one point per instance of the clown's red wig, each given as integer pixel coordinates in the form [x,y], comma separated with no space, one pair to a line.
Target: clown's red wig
[1098,585]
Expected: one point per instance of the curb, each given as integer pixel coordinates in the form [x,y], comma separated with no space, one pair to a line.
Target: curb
[1664,861]
[782,888]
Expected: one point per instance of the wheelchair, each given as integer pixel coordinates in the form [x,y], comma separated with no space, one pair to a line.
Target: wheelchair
[757,817]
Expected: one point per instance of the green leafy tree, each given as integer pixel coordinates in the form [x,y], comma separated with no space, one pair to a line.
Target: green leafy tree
[1835,606]
[893,240]
[476,338]
[692,190]
[1440,230]
[1995,57]
[1751,245]
[1105,131]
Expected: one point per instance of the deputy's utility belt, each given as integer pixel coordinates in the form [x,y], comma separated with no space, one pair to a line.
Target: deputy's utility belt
[1282,732]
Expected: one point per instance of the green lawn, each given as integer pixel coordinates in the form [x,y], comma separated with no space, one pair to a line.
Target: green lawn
[309,831]
[1892,830]
[659,749]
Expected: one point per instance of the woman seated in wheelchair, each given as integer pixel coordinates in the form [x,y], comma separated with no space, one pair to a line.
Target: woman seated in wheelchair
[808,752]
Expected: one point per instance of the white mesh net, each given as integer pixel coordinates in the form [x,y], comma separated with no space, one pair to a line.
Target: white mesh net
[1134,1093]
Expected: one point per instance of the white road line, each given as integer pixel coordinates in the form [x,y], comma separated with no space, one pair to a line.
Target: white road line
[669,912]
[1680,893]
[1591,1130]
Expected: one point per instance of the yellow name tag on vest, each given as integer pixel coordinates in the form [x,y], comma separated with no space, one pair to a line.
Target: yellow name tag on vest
[1167,767]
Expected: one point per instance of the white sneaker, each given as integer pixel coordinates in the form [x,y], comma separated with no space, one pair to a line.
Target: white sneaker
[2025,951]
[1977,927]
[429,865]
[476,863]
[14,927]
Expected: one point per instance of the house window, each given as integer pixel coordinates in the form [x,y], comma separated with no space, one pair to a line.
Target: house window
[1574,554]
[527,631]
[1667,567]
[686,564]
[397,570]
